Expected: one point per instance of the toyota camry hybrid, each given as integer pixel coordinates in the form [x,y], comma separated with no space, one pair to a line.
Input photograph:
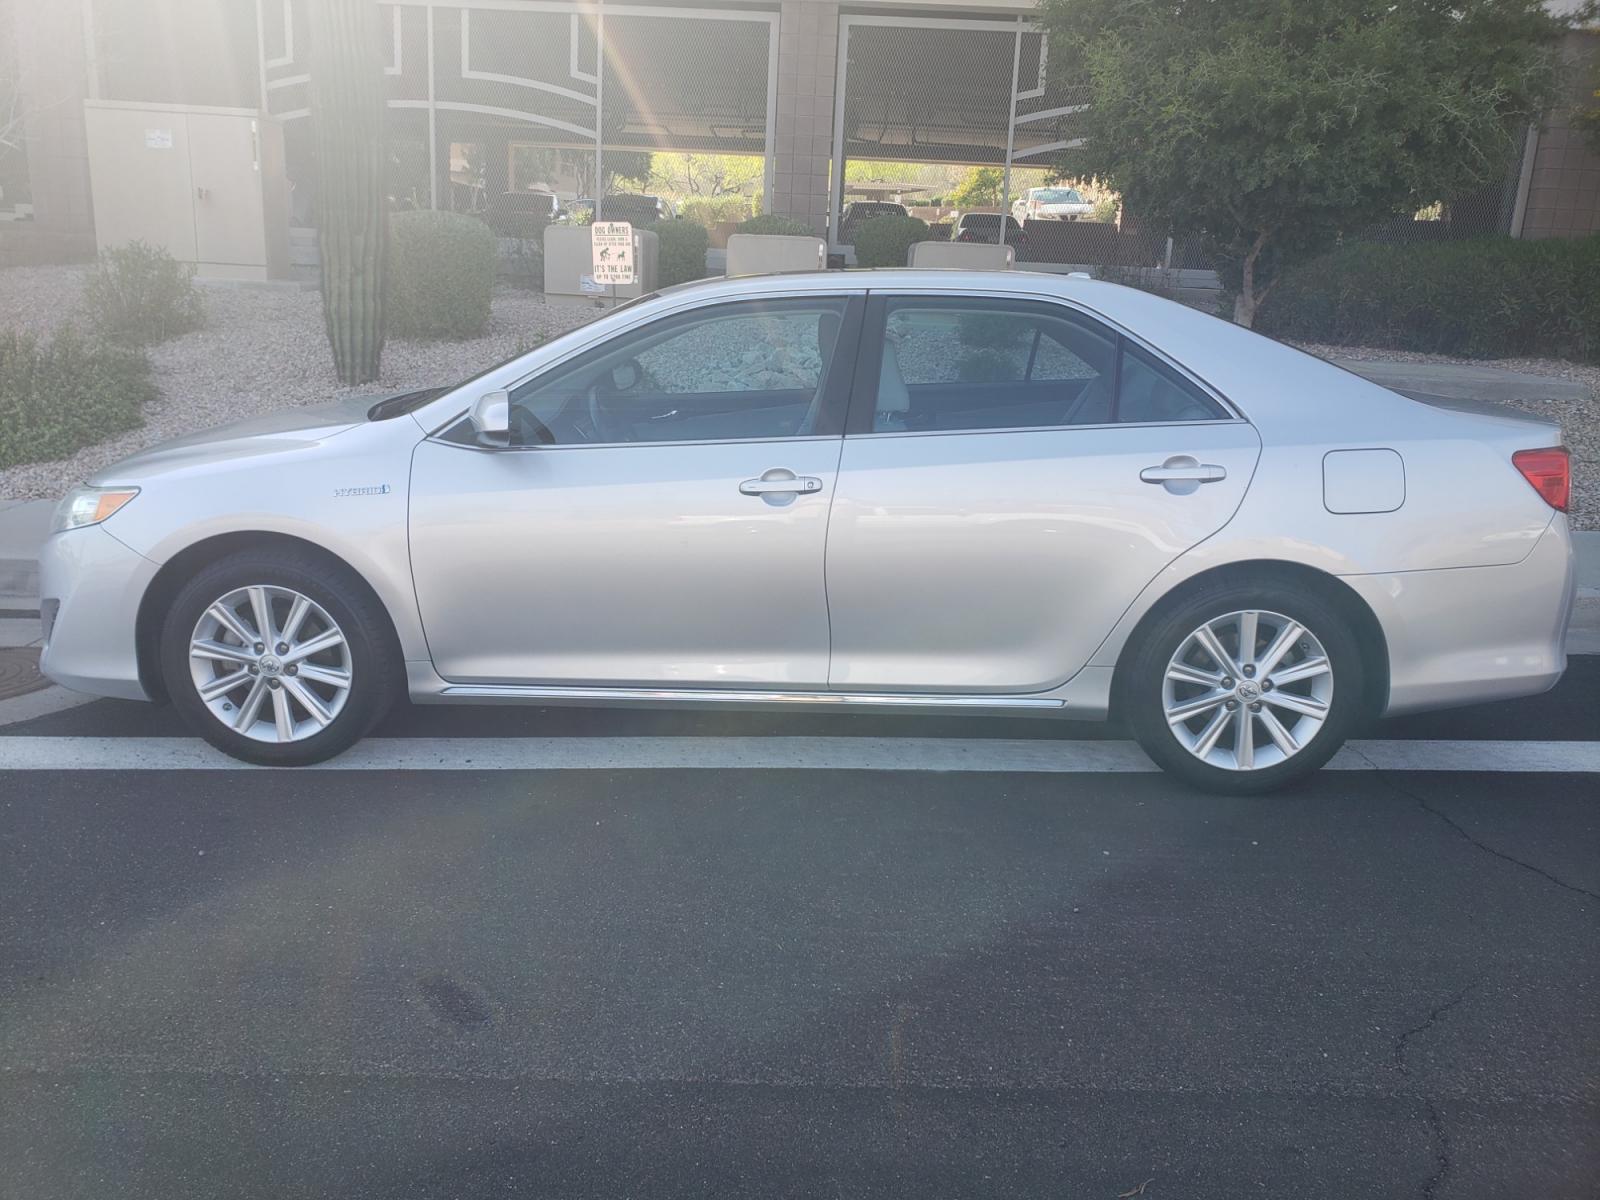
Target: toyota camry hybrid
[928,490]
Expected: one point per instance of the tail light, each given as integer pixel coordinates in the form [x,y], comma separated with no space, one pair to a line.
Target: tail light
[1548,472]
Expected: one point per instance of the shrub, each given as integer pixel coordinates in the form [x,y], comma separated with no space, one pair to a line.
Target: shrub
[775,223]
[1482,297]
[681,252]
[986,366]
[709,210]
[139,294]
[990,331]
[519,262]
[69,392]
[885,241]
[441,275]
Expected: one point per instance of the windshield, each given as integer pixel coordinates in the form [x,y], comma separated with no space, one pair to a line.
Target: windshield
[1056,196]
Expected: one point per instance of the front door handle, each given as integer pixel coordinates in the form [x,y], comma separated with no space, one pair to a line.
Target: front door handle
[1183,474]
[781,482]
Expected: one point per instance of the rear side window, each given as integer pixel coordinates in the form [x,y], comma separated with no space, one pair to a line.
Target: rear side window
[1151,391]
[950,364]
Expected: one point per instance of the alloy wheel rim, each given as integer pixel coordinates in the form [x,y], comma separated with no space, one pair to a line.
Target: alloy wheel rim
[270,664]
[1247,690]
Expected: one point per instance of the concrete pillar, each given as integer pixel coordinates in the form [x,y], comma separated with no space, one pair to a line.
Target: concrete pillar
[53,74]
[808,48]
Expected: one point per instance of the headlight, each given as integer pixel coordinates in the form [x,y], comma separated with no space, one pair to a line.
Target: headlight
[89,506]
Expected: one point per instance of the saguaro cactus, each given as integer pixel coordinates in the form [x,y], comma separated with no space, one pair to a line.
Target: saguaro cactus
[347,110]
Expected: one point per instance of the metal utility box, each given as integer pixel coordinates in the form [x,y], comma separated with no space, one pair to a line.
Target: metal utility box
[208,184]
[568,260]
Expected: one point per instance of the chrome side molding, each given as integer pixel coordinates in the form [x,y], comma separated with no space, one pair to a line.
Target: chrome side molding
[512,692]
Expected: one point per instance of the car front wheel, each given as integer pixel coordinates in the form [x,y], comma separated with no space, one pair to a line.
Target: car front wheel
[278,657]
[1243,689]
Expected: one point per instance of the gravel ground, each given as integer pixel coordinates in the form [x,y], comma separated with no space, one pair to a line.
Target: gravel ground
[264,349]
[1580,419]
[261,349]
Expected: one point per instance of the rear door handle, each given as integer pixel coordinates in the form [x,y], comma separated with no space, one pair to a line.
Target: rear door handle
[1183,469]
[781,482]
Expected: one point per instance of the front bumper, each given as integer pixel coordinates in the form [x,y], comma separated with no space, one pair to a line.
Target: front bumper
[1474,634]
[92,583]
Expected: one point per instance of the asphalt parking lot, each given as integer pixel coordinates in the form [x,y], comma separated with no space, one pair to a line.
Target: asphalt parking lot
[982,962]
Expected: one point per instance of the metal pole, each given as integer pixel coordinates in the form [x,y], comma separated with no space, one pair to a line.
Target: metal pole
[261,54]
[433,125]
[91,51]
[599,103]
[1011,134]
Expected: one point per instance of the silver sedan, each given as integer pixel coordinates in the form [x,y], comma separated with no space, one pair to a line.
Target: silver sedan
[943,491]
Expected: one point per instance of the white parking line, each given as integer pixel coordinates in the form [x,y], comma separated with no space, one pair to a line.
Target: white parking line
[763,753]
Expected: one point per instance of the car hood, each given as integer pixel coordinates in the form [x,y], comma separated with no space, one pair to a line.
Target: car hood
[277,432]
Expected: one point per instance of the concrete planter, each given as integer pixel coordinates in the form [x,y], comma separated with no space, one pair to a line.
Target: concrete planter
[962,256]
[764,253]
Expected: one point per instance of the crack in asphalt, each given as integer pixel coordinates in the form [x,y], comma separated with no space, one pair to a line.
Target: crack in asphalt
[1389,782]
[1441,1136]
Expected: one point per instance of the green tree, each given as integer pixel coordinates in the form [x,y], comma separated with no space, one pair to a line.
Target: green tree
[705,174]
[979,188]
[347,107]
[1271,127]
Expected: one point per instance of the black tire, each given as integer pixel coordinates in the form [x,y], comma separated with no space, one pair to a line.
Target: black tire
[375,671]
[1141,685]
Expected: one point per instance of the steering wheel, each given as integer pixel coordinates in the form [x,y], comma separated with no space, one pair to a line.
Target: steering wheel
[599,419]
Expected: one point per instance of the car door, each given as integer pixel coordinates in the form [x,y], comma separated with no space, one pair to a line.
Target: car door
[1014,473]
[661,514]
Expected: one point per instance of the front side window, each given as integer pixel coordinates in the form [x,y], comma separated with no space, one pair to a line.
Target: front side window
[952,364]
[730,372]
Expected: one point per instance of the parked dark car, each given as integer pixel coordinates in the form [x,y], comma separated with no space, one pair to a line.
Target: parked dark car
[522,214]
[864,210]
[985,227]
[636,209]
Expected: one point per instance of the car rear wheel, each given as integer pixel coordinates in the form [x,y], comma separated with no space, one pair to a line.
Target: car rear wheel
[1245,688]
[278,657]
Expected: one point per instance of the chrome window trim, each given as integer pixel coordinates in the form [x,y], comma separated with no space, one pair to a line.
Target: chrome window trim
[903,433]
[556,448]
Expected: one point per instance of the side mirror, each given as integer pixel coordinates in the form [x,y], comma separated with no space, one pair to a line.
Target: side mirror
[491,418]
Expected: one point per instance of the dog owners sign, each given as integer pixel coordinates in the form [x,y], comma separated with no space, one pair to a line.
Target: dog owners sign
[612,243]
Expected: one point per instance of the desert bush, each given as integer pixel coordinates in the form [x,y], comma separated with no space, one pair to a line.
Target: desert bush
[886,241]
[69,392]
[680,252]
[709,210]
[138,294]
[441,275]
[775,223]
[990,330]
[1492,297]
[519,262]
